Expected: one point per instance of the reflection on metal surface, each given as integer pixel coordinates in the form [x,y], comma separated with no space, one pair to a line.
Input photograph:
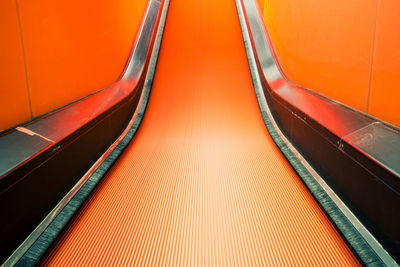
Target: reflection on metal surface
[31,133]
[17,147]
[202,183]
[326,112]
[335,117]
[66,121]
[380,142]
[59,124]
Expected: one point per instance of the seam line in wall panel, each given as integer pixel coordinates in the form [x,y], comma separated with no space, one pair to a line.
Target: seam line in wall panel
[372,57]
[24,57]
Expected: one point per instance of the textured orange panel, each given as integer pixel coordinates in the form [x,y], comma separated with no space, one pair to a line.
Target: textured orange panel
[325,45]
[74,48]
[14,100]
[202,182]
[385,93]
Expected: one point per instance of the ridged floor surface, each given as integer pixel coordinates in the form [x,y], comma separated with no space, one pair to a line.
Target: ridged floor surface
[202,182]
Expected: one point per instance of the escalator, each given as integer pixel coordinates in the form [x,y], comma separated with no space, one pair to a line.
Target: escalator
[202,182]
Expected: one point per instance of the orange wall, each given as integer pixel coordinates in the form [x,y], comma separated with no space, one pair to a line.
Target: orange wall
[14,101]
[72,48]
[385,93]
[143,4]
[327,46]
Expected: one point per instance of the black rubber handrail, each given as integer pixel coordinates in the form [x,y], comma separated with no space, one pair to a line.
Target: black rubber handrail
[357,155]
[44,159]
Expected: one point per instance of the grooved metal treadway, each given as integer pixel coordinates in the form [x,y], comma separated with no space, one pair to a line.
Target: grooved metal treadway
[202,182]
